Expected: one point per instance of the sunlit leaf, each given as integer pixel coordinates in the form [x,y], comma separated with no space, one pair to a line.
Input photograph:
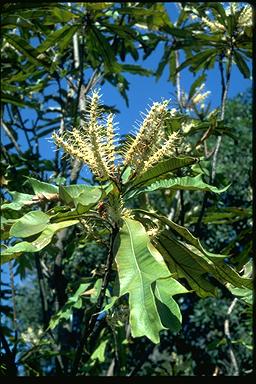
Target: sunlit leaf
[139,265]
[37,245]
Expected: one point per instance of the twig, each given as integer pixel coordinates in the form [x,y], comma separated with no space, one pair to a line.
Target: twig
[229,339]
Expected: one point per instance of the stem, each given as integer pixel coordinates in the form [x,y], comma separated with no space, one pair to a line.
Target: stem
[90,326]
[11,137]
[15,328]
[178,85]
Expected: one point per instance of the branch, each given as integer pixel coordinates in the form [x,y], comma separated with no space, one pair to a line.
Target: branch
[11,137]
[24,129]
[229,339]
[15,328]
[178,86]
[43,295]
[89,328]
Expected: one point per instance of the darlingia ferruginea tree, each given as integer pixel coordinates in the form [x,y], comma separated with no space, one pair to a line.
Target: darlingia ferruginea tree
[149,254]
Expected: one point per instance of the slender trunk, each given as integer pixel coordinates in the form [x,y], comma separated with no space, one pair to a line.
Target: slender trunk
[229,339]
[225,87]
[43,293]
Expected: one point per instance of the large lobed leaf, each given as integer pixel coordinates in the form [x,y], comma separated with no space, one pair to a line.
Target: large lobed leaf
[144,275]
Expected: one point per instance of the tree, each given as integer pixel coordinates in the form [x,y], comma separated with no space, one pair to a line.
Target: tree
[137,257]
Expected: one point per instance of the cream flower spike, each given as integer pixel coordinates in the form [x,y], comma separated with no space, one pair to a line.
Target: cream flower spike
[93,142]
[150,131]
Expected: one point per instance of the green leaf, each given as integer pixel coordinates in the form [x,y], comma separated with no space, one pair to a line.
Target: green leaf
[30,224]
[26,49]
[126,174]
[163,62]
[139,265]
[135,69]
[160,169]
[182,265]
[19,200]
[241,63]
[178,32]
[16,100]
[62,14]
[105,51]
[221,11]
[61,37]
[42,187]
[172,68]
[37,245]
[187,183]
[84,195]
[209,262]
[197,59]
